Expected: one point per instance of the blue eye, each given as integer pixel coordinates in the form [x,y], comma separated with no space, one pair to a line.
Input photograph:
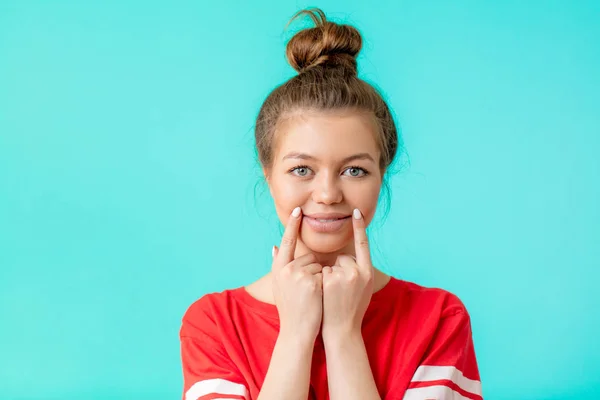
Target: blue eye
[355,172]
[301,170]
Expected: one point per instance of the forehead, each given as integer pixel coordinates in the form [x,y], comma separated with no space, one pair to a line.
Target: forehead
[327,135]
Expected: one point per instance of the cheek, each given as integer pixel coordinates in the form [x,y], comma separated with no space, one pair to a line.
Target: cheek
[365,198]
[288,195]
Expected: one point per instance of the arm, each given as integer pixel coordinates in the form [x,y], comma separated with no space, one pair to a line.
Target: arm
[348,370]
[347,291]
[297,289]
[208,370]
[448,369]
[288,375]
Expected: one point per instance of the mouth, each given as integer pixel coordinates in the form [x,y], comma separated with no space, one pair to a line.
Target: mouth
[326,223]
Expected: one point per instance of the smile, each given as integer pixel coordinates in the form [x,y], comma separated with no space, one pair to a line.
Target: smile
[325,225]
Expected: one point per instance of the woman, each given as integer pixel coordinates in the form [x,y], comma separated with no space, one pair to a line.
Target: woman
[324,323]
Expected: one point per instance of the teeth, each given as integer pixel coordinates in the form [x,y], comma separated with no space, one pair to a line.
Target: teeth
[326,220]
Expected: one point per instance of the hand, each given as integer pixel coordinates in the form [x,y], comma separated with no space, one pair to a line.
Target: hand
[348,287]
[297,286]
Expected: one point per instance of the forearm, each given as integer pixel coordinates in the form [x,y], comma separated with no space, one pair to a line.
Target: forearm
[288,375]
[348,371]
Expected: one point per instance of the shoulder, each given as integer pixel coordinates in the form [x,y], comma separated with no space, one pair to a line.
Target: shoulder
[423,299]
[205,305]
[205,314]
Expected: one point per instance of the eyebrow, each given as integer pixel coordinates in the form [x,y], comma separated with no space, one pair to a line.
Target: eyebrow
[304,156]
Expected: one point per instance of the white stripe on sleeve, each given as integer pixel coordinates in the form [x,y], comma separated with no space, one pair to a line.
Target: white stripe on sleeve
[426,373]
[433,392]
[215,386]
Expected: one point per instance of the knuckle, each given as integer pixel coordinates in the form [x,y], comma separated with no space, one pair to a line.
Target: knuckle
[342,259]
[311,258]
[287,269]
[287,241]
[312,284]
[314,268]
[352,275]
[308,283]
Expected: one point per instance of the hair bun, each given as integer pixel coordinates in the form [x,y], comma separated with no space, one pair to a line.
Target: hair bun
[327,44]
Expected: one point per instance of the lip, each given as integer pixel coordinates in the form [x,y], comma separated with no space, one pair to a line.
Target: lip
[336,222]
[327,215]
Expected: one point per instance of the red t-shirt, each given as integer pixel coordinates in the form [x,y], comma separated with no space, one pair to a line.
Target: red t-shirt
[418,341]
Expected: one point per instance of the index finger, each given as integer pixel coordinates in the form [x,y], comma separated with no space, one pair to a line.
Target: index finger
[285,255]
[361,241]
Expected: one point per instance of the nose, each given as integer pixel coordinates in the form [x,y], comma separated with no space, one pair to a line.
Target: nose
[326,189]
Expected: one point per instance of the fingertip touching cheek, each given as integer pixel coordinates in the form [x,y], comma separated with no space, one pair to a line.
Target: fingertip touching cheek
[328,164]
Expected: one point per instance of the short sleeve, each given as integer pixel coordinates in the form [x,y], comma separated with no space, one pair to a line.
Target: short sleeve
[449,368]
[208,372]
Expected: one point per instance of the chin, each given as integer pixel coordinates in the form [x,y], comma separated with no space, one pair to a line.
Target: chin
[325,243]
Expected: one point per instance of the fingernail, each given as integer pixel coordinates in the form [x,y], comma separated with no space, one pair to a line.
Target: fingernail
[273,252]
[356,213]
[296,212]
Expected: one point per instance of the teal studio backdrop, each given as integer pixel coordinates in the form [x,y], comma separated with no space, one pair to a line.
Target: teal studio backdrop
[129,186]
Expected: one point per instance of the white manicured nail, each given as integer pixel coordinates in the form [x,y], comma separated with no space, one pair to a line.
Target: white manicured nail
[356,213]
[296,212]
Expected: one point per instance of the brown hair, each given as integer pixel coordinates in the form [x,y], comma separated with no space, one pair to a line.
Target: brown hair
[325,58]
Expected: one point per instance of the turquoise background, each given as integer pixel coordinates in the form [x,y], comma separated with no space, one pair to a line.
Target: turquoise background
[129,187]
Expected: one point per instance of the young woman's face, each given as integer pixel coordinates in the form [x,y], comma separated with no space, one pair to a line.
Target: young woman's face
[328,164]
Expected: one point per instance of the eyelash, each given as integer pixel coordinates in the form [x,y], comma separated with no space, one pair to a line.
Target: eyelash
[365,172]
